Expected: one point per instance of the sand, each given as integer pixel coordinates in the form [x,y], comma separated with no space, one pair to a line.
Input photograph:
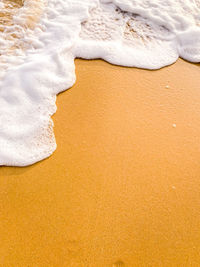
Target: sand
[122,188]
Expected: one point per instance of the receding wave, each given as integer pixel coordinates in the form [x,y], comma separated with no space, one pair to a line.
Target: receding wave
[39,40]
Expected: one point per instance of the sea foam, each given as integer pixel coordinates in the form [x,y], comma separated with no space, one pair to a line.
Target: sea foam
[39,40]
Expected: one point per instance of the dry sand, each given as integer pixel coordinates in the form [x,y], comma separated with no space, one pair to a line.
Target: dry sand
[123,187]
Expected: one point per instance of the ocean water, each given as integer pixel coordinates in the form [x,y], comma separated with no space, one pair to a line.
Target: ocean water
[39,40]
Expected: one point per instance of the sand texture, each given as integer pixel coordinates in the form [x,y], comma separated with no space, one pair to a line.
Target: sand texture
[123,187]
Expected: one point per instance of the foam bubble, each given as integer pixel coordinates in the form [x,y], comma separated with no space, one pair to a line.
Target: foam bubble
[39,40]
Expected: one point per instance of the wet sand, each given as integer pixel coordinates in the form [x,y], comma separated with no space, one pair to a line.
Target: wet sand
[123,187]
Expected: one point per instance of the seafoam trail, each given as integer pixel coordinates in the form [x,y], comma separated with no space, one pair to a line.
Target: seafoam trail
[39,40]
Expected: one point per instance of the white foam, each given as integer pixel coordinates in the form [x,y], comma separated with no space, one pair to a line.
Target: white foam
[38,49]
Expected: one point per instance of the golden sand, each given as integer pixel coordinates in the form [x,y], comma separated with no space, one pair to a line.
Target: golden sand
[123,187]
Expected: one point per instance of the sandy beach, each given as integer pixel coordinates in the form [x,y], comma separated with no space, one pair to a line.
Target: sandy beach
[122,188]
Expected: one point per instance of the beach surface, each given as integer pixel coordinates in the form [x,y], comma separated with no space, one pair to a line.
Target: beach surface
[123,186]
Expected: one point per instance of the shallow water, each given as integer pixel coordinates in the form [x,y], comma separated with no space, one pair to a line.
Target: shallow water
[38,43]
